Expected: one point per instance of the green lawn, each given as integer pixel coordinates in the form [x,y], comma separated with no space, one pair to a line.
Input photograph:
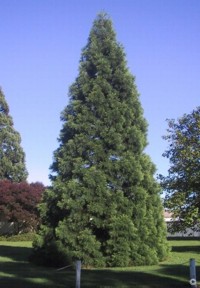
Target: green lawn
[17,272]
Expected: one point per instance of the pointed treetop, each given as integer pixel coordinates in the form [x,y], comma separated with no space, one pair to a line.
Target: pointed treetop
[102,27]
[3,104]
[12,157]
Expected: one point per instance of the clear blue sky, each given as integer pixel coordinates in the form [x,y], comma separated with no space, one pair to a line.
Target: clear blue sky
[40,48]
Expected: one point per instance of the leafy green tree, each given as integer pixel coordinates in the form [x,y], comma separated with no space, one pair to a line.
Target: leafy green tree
[182,184]
[104,206]
[12,157]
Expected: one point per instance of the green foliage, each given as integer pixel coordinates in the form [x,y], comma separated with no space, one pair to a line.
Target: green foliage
[122,234]
[182,185]
[20,237]
[12,157]
[104,205]
[54,254]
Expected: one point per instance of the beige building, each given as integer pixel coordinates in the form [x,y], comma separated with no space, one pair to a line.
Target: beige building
[190,232]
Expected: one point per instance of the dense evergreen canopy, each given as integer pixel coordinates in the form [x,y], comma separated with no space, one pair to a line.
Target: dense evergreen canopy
[104,206]
[182,184]
[12,157]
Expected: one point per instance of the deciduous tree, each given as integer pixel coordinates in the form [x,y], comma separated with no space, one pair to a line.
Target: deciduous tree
[182,184]
[104,206]
[12,157]
[18,204]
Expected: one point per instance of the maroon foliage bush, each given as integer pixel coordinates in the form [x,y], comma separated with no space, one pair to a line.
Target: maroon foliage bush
[18,204]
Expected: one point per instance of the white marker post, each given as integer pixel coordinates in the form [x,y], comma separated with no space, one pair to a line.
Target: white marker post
[78,274]
[193,281]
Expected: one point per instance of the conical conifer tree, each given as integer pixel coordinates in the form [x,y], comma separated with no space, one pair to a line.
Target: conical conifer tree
[104,206]
[12,157]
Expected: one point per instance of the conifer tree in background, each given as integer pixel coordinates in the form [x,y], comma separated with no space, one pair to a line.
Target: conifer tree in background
[104,205]
[12,157]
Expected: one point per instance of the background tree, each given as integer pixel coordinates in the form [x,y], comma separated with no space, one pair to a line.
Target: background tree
[182,185]
[18,204]
[12,157]
[104,206]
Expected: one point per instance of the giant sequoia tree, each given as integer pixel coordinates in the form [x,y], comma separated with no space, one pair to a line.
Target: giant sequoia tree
[104,206]
[12,157]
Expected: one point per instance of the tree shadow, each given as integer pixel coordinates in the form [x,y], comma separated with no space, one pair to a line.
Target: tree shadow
[15,253]
[110,278]
[17,272]
[188,249]
[24,274]
[178,270]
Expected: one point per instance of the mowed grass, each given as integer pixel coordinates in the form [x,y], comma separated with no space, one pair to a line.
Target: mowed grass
[17,272]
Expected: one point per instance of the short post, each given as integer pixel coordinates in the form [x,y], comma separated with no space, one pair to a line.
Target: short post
[193,281]
[78,274]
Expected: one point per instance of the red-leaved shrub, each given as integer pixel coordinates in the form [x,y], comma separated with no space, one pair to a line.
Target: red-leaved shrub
[18,204]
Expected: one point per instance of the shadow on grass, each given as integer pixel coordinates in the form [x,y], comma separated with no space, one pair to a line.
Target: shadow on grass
[15,253]
[110,278]
[178,271]
[184,249]
[17,272]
